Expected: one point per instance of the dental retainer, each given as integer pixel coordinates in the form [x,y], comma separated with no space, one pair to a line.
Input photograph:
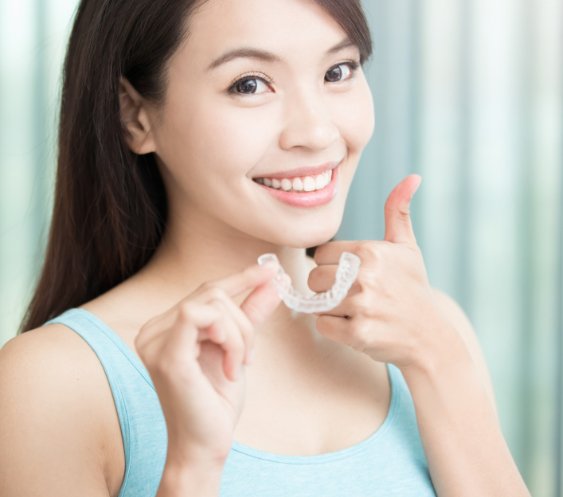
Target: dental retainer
[346,273]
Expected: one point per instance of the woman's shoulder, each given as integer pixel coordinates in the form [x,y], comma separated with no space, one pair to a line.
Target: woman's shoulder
[56,414]
[49,353]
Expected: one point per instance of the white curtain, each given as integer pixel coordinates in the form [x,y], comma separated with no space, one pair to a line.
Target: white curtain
[469,94]
[32,42]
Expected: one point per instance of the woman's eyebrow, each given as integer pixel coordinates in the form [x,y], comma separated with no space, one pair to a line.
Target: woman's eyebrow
[256,53]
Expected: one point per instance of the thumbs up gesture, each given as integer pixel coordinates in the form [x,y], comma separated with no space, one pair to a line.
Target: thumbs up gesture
[398,223]
[391,312]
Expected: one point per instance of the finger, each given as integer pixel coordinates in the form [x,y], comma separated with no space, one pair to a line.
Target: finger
[261,302]
[225,332]
[350,306]
[398,224]
[234,352]
[171,340]
[245,280]
[243,324]
[187,315]
[322,278]
[329,253]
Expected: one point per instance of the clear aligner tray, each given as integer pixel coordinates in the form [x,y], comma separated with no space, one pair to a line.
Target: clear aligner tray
[346,274]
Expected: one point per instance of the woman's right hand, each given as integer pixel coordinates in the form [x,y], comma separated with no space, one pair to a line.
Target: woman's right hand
[195,353]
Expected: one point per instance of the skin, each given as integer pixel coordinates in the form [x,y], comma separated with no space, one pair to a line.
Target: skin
[200,308]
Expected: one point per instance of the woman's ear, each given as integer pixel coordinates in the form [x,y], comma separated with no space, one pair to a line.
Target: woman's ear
[135,119]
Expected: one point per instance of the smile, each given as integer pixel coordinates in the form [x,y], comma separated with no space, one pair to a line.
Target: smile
[308,191]
[304,184]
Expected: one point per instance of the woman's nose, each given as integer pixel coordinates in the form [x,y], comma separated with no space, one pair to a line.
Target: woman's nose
[309,125]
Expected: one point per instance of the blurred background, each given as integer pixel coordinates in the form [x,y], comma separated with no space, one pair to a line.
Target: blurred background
[468,94]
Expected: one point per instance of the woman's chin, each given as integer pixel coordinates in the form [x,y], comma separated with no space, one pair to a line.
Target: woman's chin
[313,239]
[301,234]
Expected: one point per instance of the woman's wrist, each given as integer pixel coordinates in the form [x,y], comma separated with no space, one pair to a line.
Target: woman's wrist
[438,353]
[445,382]
[196,480]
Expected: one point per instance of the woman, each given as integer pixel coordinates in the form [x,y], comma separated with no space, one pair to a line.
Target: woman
[157,358]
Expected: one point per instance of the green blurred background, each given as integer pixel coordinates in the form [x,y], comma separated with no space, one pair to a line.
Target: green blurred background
[468,94]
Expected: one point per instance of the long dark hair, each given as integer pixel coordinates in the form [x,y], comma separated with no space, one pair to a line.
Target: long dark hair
[110,207]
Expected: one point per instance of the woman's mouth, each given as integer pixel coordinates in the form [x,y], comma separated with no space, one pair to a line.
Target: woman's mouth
[307,191]
[304,184]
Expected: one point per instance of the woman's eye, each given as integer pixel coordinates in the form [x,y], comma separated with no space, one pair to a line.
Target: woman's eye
[248,85]
[336,73]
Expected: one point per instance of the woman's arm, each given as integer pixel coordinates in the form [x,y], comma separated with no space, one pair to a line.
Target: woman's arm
[54,402]
[187,480]
[453,396]
[393,315]
[49,432]
[57,416]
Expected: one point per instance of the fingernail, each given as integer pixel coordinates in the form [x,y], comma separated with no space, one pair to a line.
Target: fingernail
[416,189]
[270,265]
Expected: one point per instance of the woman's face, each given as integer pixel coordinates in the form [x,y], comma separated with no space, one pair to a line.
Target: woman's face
[232,123]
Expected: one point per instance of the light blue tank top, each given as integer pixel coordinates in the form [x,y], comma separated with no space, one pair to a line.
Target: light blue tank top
[389,463]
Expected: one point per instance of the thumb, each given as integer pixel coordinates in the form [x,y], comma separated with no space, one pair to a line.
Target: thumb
[398,224]
[261,302]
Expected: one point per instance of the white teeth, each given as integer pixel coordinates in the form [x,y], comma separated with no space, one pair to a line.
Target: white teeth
[298,184]
[286,184]
[307,184]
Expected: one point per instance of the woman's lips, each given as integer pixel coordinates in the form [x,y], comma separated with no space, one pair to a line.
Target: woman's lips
[307,199]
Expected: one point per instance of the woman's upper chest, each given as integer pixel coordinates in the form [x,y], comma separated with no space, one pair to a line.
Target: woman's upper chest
[324,406]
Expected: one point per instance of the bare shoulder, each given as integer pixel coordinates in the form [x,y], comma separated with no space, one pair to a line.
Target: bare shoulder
[56,410]
[457,315]
[454,310]
[463,325]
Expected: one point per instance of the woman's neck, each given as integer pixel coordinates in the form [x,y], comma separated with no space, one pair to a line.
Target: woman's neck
[177,269]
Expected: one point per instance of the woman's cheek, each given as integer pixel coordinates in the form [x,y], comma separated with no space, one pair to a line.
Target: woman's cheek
[246,132]
[358,117]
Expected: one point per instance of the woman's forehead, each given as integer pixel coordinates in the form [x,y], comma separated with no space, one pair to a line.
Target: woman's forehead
[273,25]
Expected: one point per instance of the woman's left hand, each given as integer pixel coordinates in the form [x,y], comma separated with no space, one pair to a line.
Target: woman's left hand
[390,313]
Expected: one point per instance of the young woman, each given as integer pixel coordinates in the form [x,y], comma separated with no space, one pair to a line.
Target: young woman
[157,358]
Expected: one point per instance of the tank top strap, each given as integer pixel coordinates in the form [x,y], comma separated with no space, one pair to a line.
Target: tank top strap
[141,421]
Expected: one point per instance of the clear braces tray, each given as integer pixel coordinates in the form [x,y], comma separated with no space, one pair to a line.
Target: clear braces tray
[346,274]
